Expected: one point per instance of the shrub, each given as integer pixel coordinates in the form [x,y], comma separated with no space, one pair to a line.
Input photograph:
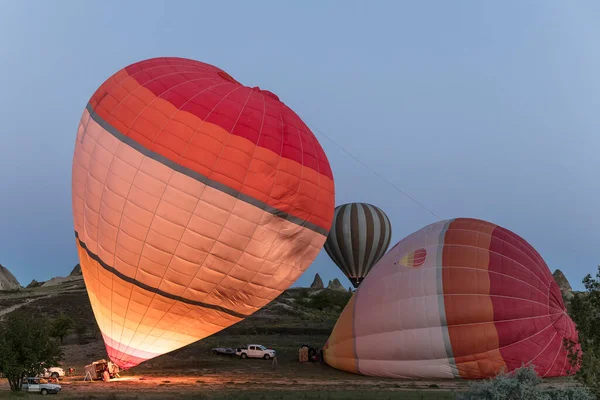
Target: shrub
[521,384]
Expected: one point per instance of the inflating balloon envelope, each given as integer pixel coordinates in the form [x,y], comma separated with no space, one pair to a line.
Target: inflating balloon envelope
[196,201]
[461,298]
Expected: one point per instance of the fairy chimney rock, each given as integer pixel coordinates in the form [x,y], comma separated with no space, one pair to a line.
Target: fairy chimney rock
[317,283]
[336,285]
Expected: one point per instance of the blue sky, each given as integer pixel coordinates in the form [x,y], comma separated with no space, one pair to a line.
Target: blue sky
[477,109]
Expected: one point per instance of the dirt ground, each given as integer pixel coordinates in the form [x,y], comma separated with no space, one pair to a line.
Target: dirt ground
[308,381]
[195,373]
[314,383]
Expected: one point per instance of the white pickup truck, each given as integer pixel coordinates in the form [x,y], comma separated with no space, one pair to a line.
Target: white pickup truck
[255,351]
[53,372]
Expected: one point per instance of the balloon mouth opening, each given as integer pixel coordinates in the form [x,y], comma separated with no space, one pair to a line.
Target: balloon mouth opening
[356,281]
[124,365]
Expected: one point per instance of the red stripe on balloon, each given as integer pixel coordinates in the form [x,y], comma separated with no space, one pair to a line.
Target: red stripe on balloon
[169,79]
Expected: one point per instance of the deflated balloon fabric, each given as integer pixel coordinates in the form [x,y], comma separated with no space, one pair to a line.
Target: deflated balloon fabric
[461,298]
[196,201]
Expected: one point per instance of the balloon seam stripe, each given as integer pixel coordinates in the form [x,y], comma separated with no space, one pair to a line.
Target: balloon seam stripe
[153,289]
[203,179]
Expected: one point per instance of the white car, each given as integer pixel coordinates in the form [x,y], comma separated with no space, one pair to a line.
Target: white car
[33,385]
[255,351]
[53,372]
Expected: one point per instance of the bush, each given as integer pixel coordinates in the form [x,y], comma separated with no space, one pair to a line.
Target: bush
[521,384]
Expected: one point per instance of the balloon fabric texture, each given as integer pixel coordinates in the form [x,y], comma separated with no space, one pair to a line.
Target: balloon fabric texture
[360,235]
[196,201]
[461,298]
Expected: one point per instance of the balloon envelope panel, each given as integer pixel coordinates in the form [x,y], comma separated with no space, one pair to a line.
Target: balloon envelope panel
[461,298]
[196,201]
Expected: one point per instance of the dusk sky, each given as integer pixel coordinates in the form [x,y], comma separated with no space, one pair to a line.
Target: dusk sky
[476,109]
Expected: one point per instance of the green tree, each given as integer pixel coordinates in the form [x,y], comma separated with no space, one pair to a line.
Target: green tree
[585,312]
[25,348]
[61,327]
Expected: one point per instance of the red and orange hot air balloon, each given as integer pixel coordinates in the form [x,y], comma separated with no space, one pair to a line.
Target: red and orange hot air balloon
[196,201]
[461,298]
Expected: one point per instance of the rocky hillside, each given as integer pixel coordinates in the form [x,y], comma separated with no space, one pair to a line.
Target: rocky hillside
[8,280]
[34,284]
[295,310]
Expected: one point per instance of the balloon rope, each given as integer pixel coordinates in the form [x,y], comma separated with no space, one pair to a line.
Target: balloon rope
[376,173]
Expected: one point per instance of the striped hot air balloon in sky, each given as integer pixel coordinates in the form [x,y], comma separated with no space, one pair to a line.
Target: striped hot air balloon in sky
[196,201]
[359,237]
[461,298]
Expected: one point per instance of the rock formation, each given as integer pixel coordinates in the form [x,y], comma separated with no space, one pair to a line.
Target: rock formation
[563,284]
[561,280]
[76,271]
[8,280]
[336,285]
[317,283]
[34,284]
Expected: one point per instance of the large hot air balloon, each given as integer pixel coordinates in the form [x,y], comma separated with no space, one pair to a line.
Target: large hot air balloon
[461,298]
[359,237]
[196,201]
